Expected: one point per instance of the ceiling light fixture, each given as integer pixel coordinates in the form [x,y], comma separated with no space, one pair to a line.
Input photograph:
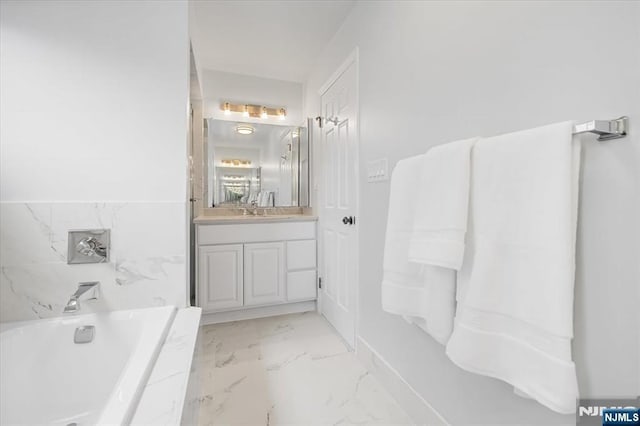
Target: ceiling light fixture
[244,129]
[282,114]
[245,113]
[227,108]
[264,114]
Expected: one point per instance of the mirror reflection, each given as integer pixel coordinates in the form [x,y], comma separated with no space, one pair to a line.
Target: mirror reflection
[255,164]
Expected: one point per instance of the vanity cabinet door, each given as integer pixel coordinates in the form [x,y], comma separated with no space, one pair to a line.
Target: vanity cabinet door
[220,277]
[264,278]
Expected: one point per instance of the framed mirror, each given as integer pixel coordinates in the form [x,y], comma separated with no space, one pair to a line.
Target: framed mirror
[255,164]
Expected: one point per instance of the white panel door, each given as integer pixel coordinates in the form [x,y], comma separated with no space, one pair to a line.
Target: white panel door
[339,204]
[264,278]
[220,277]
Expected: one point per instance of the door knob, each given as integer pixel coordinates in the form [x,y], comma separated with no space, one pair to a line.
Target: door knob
[348,220]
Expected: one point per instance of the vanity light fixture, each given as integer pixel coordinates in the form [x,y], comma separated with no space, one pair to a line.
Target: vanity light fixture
[235,162]
[253,111]
[244,129]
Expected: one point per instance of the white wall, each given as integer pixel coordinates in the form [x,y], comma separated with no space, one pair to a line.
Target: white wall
[93,105]
[432,72]
[219,87]
[93,101]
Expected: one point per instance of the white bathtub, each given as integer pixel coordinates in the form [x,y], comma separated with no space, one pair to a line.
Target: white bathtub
[46,378]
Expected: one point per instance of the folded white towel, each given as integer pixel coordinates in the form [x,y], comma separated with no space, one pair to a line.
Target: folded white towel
[425,294]
[514,318]
[440,220]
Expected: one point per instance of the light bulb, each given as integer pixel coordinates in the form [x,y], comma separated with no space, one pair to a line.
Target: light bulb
[264,113]
[227,108]
[246,111]
[282,114]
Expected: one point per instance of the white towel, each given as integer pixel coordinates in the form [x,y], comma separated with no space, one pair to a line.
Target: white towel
[440,220]
[514,318]
[422,294]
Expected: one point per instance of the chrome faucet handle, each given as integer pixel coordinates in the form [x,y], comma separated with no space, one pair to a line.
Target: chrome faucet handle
[90,246]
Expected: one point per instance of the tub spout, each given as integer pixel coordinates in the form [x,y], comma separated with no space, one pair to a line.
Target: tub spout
[92,291]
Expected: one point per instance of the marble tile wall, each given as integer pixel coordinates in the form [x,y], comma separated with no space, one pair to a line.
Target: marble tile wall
[146,267]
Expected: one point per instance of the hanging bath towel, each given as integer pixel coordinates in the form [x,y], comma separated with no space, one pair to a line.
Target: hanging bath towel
[424,245]
[514,316]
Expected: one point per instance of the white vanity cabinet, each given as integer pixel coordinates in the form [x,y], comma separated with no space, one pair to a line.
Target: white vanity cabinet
[243,266]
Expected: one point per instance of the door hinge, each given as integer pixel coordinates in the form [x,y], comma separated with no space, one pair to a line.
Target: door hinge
[319,282]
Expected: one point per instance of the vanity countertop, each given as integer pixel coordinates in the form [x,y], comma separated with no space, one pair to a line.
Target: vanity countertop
[235,219]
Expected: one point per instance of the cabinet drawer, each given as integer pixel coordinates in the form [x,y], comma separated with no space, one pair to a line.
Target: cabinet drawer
[255,232]
[301,285]
[301,254]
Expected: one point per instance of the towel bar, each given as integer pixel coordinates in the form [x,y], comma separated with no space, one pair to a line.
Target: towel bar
[605,129]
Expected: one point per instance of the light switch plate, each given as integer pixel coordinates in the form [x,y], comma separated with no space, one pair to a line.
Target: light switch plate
[378,170]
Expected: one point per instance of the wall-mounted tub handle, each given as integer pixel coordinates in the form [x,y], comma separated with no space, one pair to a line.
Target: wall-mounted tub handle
[92,247]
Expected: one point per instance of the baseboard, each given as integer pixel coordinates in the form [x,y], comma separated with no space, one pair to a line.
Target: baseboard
[420,411]
[260,312]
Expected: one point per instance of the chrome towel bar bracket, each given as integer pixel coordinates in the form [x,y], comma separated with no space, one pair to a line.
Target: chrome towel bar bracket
[605,129]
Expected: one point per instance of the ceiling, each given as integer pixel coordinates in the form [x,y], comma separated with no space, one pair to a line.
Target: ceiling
[265,38]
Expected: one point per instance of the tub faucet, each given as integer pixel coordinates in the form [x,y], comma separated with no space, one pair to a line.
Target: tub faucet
[91,288]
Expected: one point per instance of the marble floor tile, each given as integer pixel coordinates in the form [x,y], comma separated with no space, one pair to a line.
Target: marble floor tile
[290,369]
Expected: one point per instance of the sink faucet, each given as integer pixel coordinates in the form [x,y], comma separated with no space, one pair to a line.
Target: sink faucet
[90,287]
[253,211]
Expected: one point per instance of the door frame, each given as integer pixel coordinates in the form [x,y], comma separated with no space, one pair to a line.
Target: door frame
[352,59]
